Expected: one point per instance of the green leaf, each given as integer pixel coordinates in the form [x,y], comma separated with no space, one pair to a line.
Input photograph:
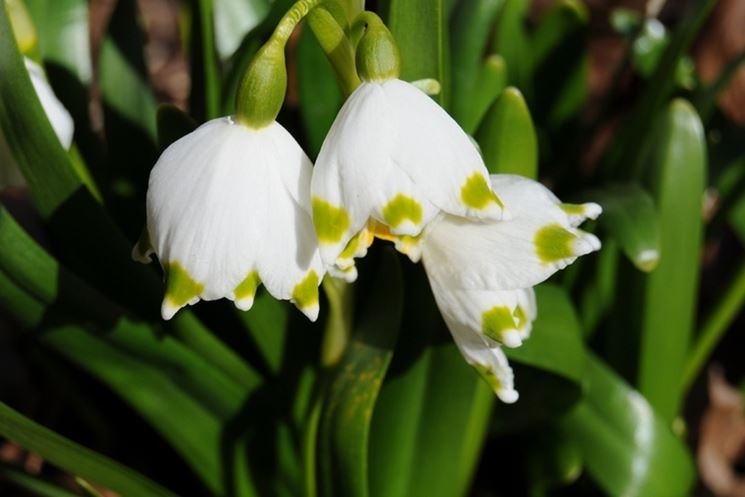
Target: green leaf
[599,294]
[121,64]
[470,27]
[630,217]
[432,415]
[507,136]
[678,181]
[489,85]
[32,484]
[512,42]
[75,458]
[205,96]
[348,408]
[419,28]
[64,39]
[627,448]
[561,62]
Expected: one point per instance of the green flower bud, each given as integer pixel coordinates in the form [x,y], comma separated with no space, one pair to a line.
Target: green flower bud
[377,57]
[262,90]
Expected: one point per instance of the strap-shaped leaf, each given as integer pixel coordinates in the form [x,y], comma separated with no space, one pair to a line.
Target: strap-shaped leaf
[348,408]
[507,136]
[670,291]
[419,29]
[630,217]
[627,448]
[469,34]
[75,458]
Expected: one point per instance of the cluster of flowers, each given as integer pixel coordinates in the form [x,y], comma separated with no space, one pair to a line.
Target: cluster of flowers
[237,203]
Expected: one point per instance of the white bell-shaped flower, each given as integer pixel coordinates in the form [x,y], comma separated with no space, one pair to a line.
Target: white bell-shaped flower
[482,273]
[228,208]
[58,116]
[393,155]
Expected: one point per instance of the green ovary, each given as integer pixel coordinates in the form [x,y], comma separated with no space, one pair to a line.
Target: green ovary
[305,293]
[246,289]
[400,209]
[520,318]
[476,193]
[351,248]
[496,321]
[554,243]
[330,222]
[180,286]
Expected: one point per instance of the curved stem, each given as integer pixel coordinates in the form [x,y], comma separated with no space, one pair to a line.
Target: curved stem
[337,47]
[292,17]
[715,326]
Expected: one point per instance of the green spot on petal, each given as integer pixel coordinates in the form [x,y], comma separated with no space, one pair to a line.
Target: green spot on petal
[181,288]
[351,248]
[400,209]
[305,293]
[496,321]
[520,318]
[554,243]
[246,289]
[330,222]
[573,209]
[476,193]
[489,376]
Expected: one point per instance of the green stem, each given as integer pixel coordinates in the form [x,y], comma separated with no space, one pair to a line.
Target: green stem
[715,326]
[292,17]
[209,60]
[337,47]
[339,323]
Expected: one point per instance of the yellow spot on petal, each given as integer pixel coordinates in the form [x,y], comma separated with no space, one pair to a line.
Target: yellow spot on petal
[181,288]
[402,208]
[246,289]
[573,209]
[554,243]
[305,293]
[476,193]
[330,222]
[520,317]
[490,377]
[496,321]
[351,248]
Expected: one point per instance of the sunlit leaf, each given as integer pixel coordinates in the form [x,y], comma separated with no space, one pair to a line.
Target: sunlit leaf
[344,428]
[670,291]
[507,137]
[627,448]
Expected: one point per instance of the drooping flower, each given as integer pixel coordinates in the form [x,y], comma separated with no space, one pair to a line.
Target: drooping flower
[482,273]
[392,155]
[228,208]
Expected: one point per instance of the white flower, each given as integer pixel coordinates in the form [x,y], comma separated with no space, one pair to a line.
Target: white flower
[58,116]
[395,156]
[228,208]
[482,273]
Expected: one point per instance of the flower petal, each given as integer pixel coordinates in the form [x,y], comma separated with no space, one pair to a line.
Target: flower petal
[393,155]
[58,116]
[488,360]
[224,215]
[500,316]
[517,253]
